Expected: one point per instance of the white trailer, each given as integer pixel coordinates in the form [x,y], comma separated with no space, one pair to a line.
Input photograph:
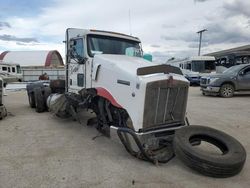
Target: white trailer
[10,72]
[195,67]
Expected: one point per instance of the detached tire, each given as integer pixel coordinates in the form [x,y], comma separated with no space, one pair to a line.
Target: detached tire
[227,90]
[32,101]
[39,100]
[227,164]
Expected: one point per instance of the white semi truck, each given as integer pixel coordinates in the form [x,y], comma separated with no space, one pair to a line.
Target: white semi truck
[143,102]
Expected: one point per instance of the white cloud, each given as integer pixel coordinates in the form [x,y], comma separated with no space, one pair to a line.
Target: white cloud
[152,21]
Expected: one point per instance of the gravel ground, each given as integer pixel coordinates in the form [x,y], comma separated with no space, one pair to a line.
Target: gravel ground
[40,150]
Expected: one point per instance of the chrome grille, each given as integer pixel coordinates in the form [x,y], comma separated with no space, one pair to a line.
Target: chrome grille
[165,103]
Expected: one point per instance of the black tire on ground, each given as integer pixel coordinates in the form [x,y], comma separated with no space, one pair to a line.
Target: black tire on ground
[46,93]
[227,164]
[39,100]
[227,90]
[32,101]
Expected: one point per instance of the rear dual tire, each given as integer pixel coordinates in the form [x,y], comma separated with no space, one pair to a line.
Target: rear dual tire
[40,98]
[32,101]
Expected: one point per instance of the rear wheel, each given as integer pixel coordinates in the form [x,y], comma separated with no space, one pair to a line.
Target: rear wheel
[39,100]
[46,93]
[32,100]
[227,90]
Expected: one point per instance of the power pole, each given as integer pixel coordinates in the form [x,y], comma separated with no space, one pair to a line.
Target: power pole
[200,33]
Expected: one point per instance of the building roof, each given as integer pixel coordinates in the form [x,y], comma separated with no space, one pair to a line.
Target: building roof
[241,49]
[33,58]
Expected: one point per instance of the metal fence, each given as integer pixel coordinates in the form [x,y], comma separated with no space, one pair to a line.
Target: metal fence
[32,73]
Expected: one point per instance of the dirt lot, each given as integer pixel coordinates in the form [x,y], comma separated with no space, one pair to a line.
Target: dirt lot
[40,150]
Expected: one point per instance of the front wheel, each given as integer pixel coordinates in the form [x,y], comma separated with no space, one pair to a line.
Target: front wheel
[227,90]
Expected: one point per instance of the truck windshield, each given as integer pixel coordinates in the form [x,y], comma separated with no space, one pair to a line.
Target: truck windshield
[203,66]
[98,44]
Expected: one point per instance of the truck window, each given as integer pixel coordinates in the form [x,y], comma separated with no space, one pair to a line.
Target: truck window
[18,69]
[13,69]
[188,66]
[247,71]
[79,47]
[245,60]
[8,69]
[198,66]
[109,45]
[223,61]
[4,68]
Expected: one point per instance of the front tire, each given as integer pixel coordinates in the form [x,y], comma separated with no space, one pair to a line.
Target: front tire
[227,90]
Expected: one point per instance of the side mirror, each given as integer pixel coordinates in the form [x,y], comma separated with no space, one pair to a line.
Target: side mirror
[72,43]
[148,57]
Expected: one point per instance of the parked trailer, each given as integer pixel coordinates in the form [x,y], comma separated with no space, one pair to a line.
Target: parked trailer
[10,72]
[195,67]
[143,103]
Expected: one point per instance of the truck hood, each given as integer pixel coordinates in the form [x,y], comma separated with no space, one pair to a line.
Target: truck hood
[133,65]
[219,75]
[126,63]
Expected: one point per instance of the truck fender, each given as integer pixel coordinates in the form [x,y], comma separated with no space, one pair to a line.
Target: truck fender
[107,95]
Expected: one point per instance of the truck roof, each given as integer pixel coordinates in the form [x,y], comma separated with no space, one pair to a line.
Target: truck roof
[106,33]
[199,58]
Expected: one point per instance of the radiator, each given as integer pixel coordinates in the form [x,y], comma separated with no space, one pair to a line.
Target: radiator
[165,103]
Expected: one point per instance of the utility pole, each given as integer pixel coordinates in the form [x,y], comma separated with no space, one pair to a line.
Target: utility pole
[200,33]
[130,31]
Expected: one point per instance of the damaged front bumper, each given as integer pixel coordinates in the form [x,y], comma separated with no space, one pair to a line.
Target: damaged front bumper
[154,145]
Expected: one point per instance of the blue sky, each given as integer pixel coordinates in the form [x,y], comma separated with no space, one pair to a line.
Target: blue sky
[166,28]
[22,8]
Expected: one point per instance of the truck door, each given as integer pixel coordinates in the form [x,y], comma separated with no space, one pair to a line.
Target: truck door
[77,69]
[244,79]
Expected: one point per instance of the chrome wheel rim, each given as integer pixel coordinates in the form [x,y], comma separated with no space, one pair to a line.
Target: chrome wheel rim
[227,91]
